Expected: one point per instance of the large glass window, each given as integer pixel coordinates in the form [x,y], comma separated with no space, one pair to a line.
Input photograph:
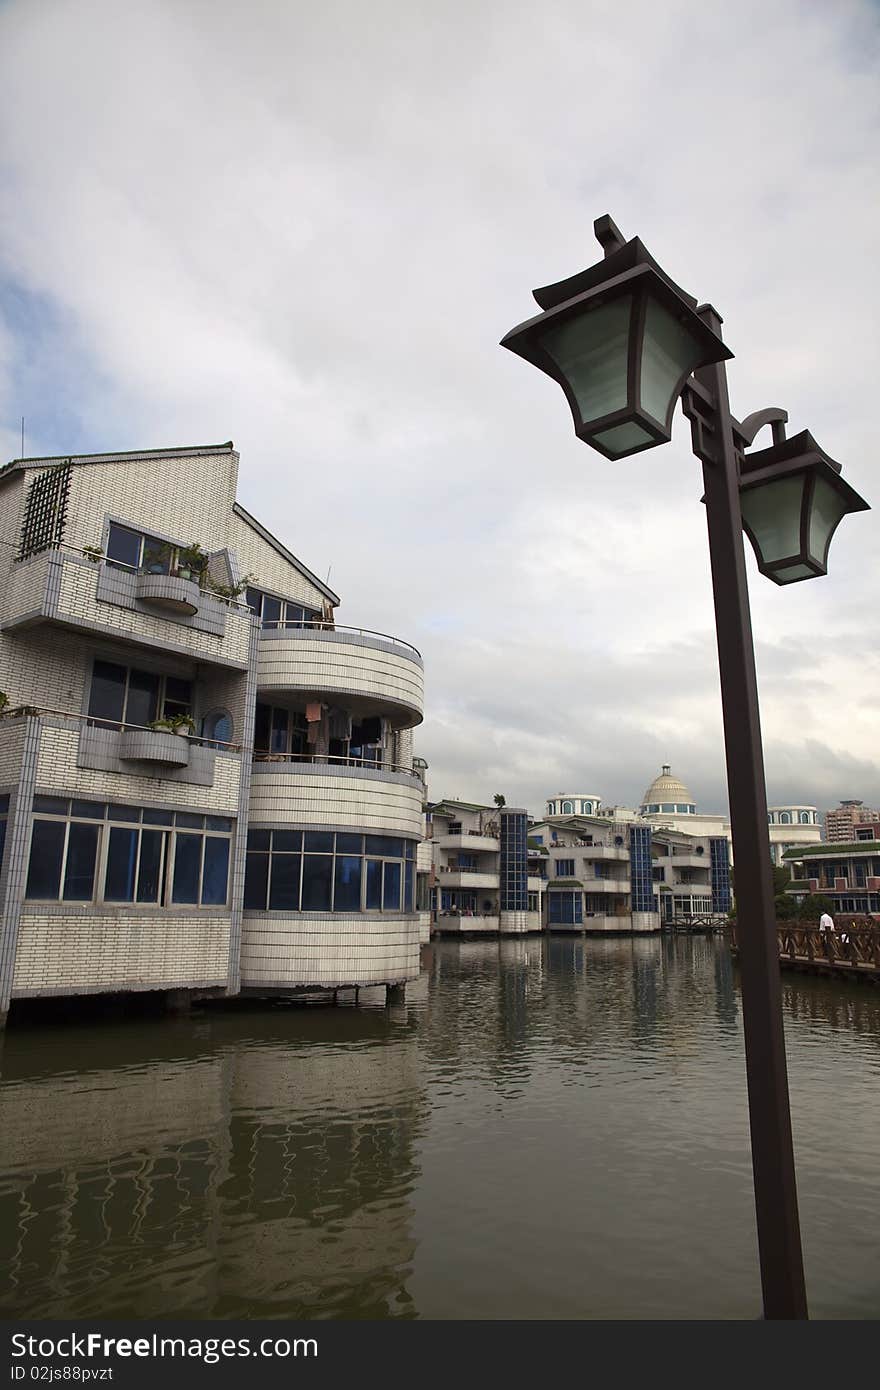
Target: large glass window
[135,550]
[126,695]
[278,612]
[87,851]
[565,909]
[325,871]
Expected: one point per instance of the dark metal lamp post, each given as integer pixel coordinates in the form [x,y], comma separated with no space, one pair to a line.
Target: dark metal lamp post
[625,343]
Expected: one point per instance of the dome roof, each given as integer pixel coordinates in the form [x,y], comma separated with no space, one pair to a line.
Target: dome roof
[668,789]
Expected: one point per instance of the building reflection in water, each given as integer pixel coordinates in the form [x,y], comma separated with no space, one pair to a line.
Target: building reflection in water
[212,1169]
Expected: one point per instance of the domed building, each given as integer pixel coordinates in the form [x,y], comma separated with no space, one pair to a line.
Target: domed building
[669,803]
[667,796]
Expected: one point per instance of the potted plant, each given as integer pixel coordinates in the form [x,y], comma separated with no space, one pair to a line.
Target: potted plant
[160,557]
[191,561]
[93,553]
[176,724]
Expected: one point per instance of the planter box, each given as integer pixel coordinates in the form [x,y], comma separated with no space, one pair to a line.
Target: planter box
[154,746]
[168,593]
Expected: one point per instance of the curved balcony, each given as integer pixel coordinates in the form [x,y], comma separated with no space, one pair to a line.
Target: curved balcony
[369,672]
[154,746]
[168,593]
[339,792]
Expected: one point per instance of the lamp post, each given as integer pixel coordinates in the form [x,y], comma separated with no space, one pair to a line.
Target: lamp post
[625,343]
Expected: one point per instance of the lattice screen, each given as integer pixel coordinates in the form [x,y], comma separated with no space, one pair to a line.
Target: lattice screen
[45,510]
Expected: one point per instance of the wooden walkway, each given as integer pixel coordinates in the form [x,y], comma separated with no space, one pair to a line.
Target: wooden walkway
[852,952]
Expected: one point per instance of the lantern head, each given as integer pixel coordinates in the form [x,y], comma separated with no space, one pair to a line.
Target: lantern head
[621,339]
[792,499]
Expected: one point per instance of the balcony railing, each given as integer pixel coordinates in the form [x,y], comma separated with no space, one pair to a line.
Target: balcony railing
[321,625]
[261,756]
[94,722]
[232,601]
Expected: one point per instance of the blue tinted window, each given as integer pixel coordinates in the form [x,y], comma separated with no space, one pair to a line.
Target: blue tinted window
[284,884]
[347,889]
[121,864]
[374,884]
[79,872]
[215,875]
[187,867]
[391,888]
[317,870]
[47,852]
[149,885]
[256,880]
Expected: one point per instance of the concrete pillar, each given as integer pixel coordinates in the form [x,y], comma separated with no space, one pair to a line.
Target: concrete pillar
[395,994]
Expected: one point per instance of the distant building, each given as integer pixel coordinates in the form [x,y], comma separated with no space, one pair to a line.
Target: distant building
[840,824]
[481,877]
[847,873]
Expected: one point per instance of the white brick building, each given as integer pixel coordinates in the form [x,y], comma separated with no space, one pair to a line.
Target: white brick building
[206,784]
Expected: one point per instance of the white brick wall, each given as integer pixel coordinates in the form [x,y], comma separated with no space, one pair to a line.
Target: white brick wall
[44,666]
[11,745]
[302,950]
[99,953]
[308,798]
[56,768]
[271,571]
[78,600]
[189,497]
[328,663]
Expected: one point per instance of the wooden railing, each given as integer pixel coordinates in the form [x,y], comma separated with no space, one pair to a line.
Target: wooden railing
[848,947]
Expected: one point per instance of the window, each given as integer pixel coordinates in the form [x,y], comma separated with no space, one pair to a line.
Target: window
[279,612]
[87,851]
[124,695]
[323,871]
[785,818]
[564,868]
[567,808]
[129,549]
[565,909]
[805,817]
[533,902]
[217,727]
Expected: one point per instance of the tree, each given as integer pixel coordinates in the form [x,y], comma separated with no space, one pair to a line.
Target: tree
[499,800]
[814,904]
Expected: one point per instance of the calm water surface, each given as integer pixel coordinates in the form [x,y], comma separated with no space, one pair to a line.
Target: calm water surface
[547,1129]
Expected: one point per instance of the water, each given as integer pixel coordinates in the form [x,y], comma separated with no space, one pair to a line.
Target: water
[547,1129]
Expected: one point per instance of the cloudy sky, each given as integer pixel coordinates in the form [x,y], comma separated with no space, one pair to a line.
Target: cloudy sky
[305,228]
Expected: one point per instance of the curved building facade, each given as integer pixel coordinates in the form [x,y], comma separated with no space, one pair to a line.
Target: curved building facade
[206,783]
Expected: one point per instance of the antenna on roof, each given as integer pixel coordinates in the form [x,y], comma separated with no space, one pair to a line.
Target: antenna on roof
[327,580]
[22,436]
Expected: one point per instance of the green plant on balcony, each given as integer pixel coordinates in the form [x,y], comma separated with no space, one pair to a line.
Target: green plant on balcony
[229,591]
[175,724]
[191,561]
[93,553]
[157,560]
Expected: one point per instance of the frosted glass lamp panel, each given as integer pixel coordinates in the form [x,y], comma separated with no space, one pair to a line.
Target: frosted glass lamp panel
[668,353]
[827,511]
[591,352]
[773,514]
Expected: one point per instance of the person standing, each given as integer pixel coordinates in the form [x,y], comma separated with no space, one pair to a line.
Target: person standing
[826,927]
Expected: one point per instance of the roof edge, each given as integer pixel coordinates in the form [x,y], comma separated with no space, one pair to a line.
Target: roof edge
[283,551]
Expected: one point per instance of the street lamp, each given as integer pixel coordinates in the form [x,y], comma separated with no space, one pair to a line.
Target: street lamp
[626,343]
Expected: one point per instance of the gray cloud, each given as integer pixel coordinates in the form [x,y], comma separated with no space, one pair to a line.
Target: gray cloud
[307,227]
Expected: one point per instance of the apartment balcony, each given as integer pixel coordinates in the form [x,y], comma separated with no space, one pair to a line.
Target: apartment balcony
[471,843]
[63,588]
[367,672]
[306,792]
[128,764]
[690,861]
[467,878]
[606,885]
[463,924]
